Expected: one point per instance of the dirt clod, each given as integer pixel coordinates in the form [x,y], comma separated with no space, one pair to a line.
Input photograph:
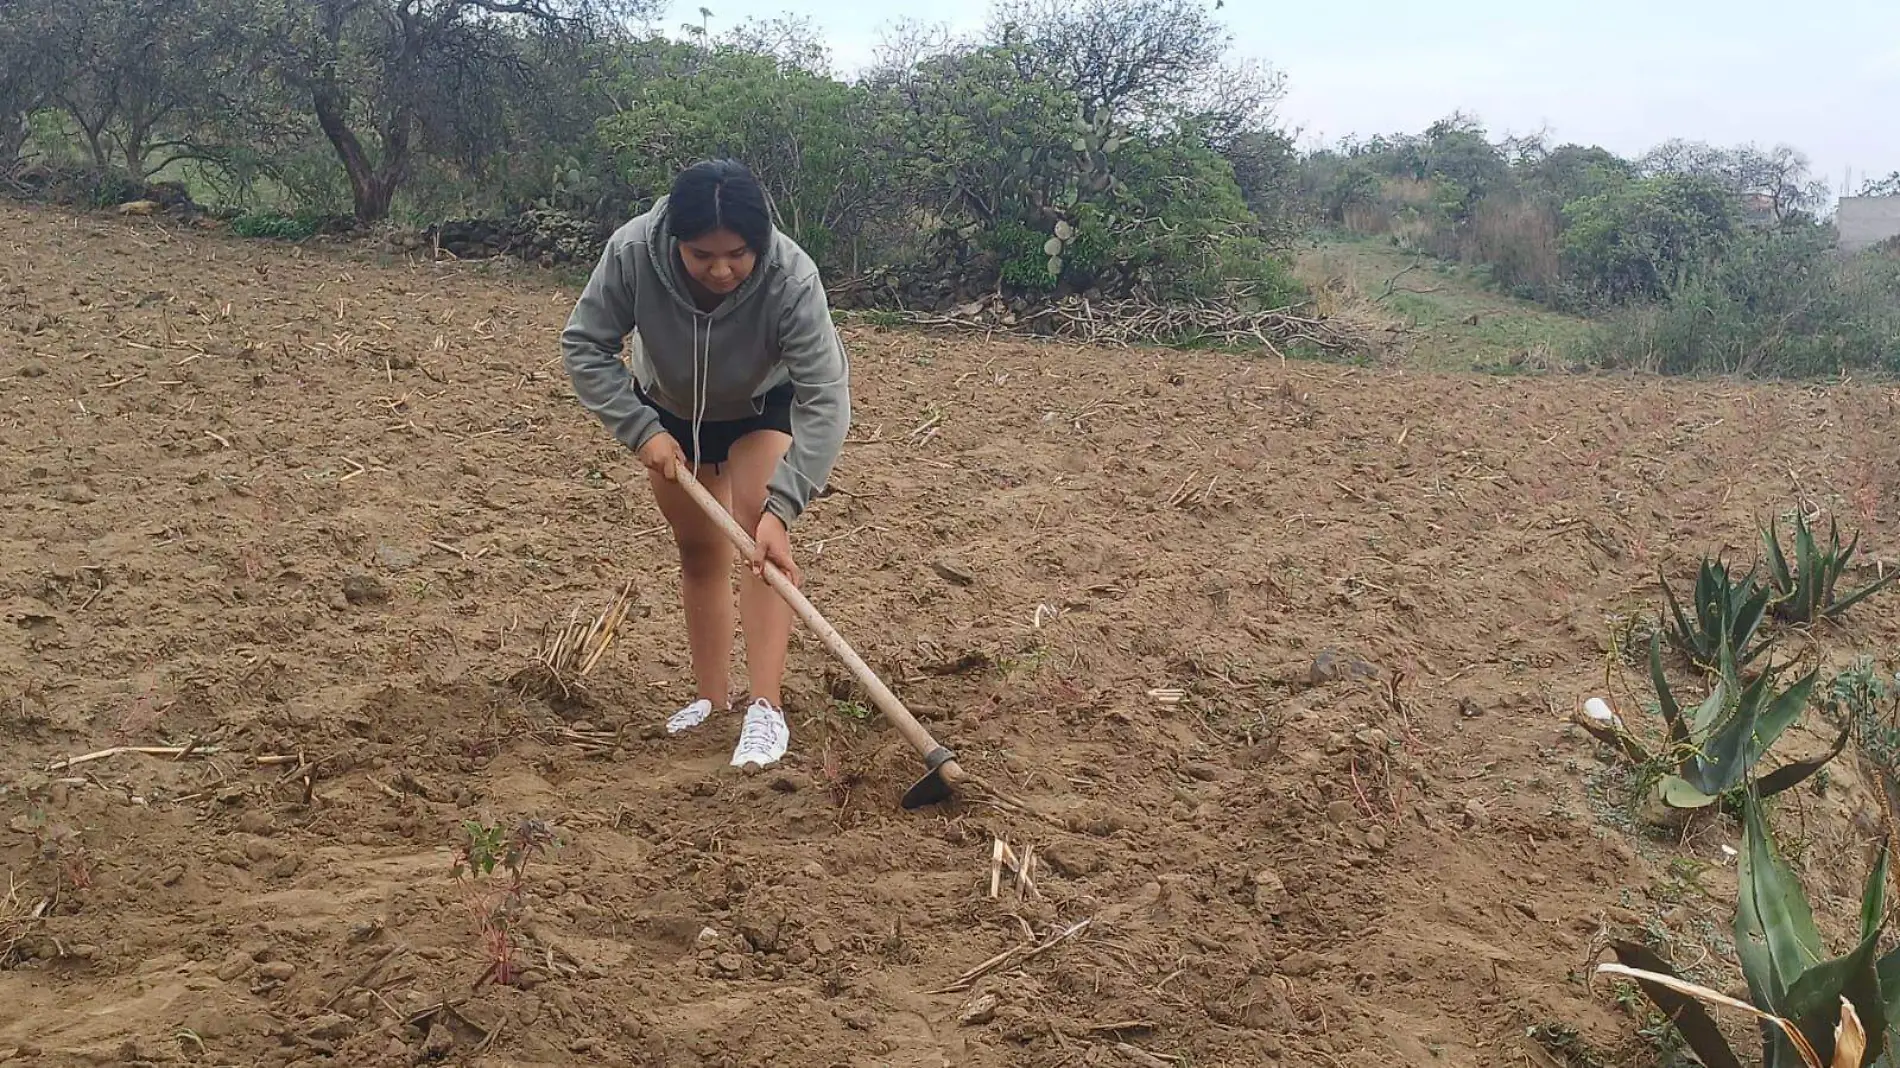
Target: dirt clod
[328,1027]
[365,590]
[978,1011]
[235,966]
[258,822]
[1476,814]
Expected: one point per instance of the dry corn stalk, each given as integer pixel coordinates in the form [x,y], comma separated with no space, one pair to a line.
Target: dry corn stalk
[573,649]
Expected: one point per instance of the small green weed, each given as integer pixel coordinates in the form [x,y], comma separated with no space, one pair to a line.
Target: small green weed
[484,849]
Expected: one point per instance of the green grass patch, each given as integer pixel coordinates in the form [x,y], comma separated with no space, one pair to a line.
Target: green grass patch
[1458,321]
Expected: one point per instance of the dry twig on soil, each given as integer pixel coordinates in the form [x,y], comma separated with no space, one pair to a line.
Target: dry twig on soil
[1011,959]
[176,752]
[16,919]
[1023,867]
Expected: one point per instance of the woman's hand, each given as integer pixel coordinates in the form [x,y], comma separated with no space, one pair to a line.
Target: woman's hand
[774,547]
[661,452]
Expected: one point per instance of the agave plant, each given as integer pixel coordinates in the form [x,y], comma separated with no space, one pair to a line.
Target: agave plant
[1815,1011]
[1806,592]
[1716,746]
[1728,613]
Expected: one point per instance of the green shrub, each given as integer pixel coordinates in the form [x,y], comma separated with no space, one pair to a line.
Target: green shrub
[1638,241]
[1020,257]
[277,225]
[1775,304]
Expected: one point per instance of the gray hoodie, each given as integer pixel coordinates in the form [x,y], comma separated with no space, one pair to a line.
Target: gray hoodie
[775,328]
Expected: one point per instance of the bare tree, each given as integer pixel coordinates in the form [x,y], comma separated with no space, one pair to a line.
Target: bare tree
[1136,59]
[793,41]
[1882,187]
[136,76]
[904,45]
[382,76]
[1236,100]
[29,71]
[1781,177]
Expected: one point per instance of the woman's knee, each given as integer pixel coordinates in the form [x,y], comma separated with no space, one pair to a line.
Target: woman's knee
[703,557]
[747,508]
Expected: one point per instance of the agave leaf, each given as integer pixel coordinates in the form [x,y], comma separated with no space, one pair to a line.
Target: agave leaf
[1722,759]
[1775,935]
[1692,1021]
[1716,997]
[1685,634]
[1814,1000]
[1777,563]
[1808,581]
[1837,607]
[1781,713]
[1873,899]
[1747,622]
[1709,712]
[1834,564]
[1855,978]
[1834,542]
[1665,699]
[1677,792]
[1888,969]
[1789,776]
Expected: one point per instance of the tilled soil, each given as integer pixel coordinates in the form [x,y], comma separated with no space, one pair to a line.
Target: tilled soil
[306,513]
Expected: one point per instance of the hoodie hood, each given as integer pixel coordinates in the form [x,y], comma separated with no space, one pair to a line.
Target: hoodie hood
[663,254]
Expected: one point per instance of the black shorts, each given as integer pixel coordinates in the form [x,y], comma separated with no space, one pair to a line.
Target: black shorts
[716,437]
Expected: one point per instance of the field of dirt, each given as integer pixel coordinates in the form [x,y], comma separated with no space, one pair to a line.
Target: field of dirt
[304,513]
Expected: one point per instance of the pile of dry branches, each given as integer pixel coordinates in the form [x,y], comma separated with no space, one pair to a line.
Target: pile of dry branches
[1136,322]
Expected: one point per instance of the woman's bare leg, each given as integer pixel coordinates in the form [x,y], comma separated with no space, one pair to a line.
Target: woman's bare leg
[705,580]
[766,617]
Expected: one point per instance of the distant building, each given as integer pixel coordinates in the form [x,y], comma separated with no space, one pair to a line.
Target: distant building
[1759,209]
[1864,222]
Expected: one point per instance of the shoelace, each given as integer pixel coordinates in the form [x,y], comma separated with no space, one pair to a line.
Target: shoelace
[760,731]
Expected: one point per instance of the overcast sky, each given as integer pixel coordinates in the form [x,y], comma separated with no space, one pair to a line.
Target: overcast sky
[1624,74]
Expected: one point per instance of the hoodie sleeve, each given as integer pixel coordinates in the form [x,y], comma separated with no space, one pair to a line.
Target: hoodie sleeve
[821,400]
[590,349]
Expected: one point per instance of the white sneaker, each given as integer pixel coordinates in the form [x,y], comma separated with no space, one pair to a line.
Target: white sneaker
[691,716]
[764,738]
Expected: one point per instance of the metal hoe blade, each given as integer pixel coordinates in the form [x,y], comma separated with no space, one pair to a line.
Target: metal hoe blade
[932,788]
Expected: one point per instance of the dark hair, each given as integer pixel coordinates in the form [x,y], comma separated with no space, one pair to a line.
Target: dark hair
[720,193]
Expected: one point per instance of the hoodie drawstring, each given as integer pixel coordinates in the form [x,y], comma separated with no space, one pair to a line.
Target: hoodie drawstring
[702,386]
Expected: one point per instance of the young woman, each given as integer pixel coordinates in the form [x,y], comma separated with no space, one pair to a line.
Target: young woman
[738,377]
